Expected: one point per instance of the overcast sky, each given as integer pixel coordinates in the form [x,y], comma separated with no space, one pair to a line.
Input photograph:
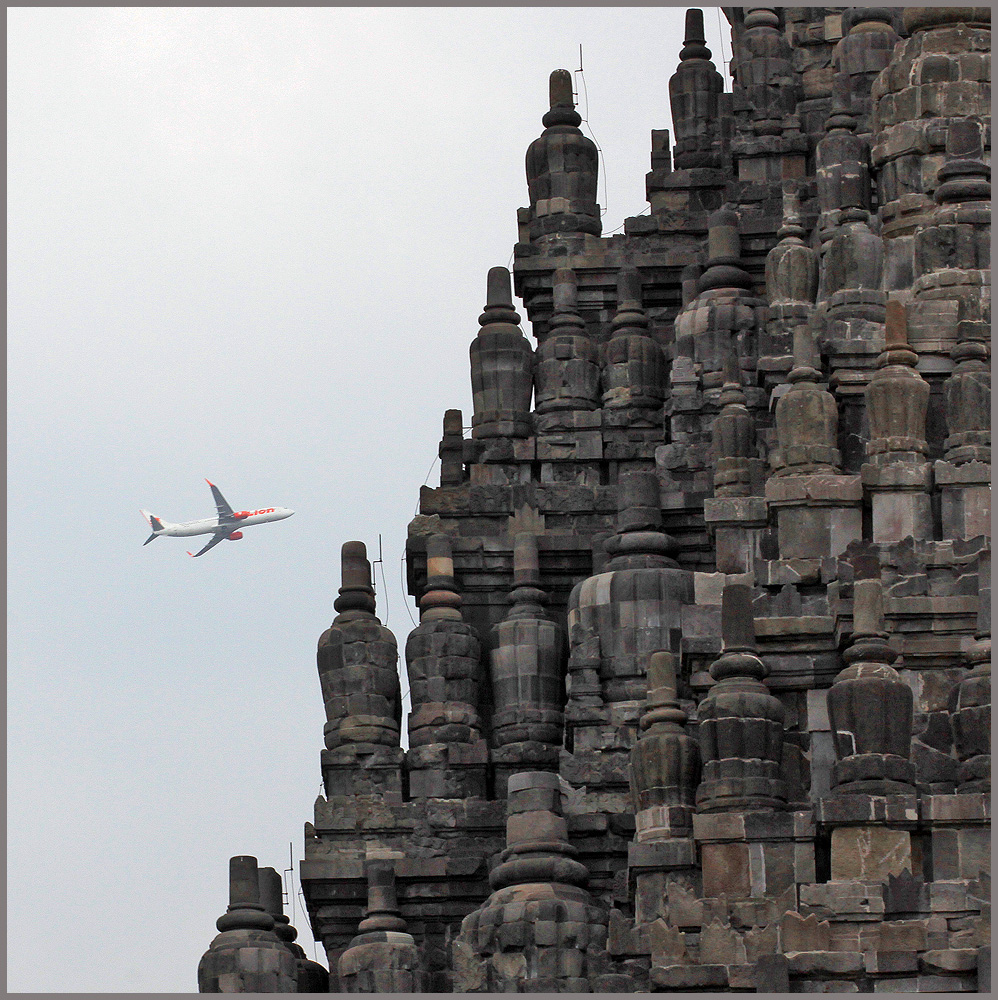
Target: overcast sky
[247,244]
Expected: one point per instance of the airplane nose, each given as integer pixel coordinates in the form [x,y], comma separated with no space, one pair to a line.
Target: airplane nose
[288,512]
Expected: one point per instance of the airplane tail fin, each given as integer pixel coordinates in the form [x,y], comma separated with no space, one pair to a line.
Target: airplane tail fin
[155,523]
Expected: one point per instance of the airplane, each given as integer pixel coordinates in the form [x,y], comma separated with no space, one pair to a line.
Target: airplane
[225,525]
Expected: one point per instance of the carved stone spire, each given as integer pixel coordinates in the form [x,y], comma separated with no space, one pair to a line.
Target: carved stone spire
[356,659]
[807,416]
[733,441]
[763,71]
[246,956]
[443,655]
[725,319]
[383,957]
[633,376]
[791,280]
[567,376]
[897,399]
[897,474]
[869,706]
[537,882]
[641,572]
[502,363]
[562,170]
[665,761]
[694,96]
[741,723]
[527,659]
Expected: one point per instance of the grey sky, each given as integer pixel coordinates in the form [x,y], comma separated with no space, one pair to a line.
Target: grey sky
[248,244]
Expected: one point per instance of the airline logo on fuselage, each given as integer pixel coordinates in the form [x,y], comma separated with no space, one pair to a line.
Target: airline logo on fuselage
[253,513]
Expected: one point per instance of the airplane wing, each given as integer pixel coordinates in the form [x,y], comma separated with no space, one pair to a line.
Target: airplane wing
[221,504]
[215,539]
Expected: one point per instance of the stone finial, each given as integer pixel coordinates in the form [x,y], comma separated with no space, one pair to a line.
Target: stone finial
[502,363]
[741,723]
[694,95]
[440,598]
[762,65]
[382,957]
[724,263]
[694,39]
[897,398]
[526,659]
[869,706]
[964,177]
[499,299]
[733,438]
[442,656]
[360,687]
[538,894]
[807,415]
[246,956]
[633,377]
[665,761]
[562,170]
[639,503]
[567,375]
[356,592]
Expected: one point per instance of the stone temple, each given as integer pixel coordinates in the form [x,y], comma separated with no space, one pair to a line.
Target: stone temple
[701,686]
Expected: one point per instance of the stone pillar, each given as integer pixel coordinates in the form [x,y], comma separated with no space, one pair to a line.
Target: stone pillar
[872,806]
[540,930]
[357,661]
[383,957]
[527,665]
[562,170]
[502,364]
[447,757]
[311,976]
[246,956]
[897,475]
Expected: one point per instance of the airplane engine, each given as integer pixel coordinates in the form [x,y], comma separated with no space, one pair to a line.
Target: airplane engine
[235,536]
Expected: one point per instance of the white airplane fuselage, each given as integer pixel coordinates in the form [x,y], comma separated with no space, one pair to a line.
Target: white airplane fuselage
[209,525]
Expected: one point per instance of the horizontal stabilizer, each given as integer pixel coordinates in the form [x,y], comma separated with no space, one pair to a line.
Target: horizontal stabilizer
[150,538]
